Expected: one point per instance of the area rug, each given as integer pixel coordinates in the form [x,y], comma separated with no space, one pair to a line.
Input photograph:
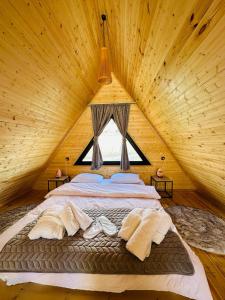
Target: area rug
[9,217]
[199,228]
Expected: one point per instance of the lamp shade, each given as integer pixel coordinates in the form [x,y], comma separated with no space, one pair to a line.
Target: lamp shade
[104,76]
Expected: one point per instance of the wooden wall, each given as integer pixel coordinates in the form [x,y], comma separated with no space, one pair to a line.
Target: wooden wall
[168,54]
[174,67]
[140,130]
[45,84]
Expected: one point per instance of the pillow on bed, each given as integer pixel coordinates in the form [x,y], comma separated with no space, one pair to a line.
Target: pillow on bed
[87,178]
[128,178]
[47,227]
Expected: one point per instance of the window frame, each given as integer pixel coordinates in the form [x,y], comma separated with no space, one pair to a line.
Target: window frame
[144,162]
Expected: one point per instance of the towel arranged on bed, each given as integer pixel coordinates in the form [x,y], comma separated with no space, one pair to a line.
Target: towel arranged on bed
[69,221]
[54,221]
[130,223]
[165,223]
[82,218]
[48,227]
[102,224]
[141,227]
[140,242]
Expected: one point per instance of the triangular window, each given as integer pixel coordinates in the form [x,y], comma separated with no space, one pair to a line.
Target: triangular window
[110,142]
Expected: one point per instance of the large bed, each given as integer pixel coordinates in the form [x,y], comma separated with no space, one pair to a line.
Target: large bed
[107,196]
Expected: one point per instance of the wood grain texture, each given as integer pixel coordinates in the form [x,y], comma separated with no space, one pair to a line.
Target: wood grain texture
[48,75]
[173,64]
[168,54]
[214,264]
[139,129]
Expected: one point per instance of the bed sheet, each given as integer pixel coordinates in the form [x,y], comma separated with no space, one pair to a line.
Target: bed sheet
[195,287]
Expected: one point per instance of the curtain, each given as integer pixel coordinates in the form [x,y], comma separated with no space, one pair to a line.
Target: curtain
[101,115]
[121,118]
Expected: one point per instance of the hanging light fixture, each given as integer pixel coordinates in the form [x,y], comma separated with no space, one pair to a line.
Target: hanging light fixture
[104,76]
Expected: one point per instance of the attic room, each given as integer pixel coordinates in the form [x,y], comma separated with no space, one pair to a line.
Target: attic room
[112,149]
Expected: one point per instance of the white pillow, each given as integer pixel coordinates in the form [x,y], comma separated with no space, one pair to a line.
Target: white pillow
[87,178]
[48,227]
[69,221]
[126,178]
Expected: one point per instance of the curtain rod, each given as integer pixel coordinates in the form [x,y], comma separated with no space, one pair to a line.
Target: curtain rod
[112,103]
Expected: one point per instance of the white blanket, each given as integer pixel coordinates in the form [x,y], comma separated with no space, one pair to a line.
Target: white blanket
[195,287]
[105,190]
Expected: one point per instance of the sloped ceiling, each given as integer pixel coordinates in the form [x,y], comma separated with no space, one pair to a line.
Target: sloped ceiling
[140,130]
[48,70]
[174,67]
[168,54]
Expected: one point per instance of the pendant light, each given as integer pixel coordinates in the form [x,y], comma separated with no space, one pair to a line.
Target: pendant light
[104,76]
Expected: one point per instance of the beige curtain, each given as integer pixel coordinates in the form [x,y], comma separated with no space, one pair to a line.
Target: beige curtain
[101,115]
[121,118]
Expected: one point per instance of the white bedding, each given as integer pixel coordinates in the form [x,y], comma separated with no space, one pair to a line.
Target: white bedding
[195,287]
[111,190]
[109,181]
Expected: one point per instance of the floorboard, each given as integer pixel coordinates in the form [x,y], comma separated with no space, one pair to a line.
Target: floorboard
[214,264]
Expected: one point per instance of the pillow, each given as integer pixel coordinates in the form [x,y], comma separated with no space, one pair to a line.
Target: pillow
[69,221]
[48,227]
[109,181]
[88,178]
[126,178]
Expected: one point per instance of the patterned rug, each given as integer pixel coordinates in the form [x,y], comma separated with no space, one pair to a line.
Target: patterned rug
[9,217]
[199,228]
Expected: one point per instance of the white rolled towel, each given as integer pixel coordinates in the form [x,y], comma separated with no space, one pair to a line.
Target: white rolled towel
[140,242]
[83,219]
[48,227]
[69,221]
[130,223]
[165,223]
[53,210]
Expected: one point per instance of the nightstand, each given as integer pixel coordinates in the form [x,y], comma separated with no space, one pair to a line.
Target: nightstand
[57,180]
[163,185]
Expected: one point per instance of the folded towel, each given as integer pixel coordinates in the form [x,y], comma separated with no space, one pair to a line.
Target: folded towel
[140,242]
[69,221]
[130,223]
[53,211]
[48,227]
[165,223]
[93,230]
[107,226]
[82,218]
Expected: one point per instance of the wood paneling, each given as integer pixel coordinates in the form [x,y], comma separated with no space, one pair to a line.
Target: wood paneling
[168,54]
[48,74]
[140,130]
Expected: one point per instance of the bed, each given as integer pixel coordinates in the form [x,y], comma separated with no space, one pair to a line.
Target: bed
[107,196]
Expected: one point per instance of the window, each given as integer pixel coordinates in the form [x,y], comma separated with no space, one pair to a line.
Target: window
[110,142]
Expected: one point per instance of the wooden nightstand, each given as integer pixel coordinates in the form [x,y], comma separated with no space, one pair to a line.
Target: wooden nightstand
[163,185]
[61,180]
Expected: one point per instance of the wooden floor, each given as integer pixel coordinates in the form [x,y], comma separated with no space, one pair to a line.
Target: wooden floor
[214,264]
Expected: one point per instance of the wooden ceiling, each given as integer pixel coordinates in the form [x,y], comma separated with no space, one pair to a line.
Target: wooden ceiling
[168,54]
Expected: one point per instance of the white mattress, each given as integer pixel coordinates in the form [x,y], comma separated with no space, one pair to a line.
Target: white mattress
[195,286]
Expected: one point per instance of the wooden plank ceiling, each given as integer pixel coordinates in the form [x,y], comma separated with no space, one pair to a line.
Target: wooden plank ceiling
[168,54]
[140,130]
